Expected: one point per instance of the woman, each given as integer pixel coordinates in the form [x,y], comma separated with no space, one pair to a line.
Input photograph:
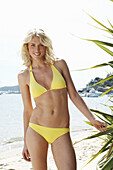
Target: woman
[48,81]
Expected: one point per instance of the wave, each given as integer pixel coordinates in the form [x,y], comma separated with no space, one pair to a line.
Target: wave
[13,140]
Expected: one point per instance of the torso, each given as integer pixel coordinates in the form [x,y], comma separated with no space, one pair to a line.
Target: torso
[51,107]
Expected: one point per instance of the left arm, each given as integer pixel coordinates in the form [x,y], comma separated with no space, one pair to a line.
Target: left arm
[77,99]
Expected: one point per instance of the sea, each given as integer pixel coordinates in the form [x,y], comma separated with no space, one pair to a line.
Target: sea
[11,118]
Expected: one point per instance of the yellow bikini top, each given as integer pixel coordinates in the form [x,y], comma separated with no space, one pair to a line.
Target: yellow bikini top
[37,90]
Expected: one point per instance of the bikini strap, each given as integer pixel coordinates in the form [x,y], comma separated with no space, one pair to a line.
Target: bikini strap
[30,67]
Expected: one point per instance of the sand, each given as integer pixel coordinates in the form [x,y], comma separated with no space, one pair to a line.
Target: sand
[12,159]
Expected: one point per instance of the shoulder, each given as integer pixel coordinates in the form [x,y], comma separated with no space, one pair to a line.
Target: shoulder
[22,76]
[61,64]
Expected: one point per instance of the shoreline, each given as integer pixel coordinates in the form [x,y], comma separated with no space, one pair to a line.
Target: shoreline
[12,159]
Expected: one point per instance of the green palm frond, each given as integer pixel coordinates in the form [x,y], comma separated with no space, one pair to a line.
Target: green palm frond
[108,165]
[89,123]
[110,23]
[101,45]
[107,91]
[101,29]
[110,30]
[108,117]
[106,79]
[101,150]
[110,63]
[110,130]
[111,107]
[106,162]
[108,123]
[103,161]
[100,42]
[105,49]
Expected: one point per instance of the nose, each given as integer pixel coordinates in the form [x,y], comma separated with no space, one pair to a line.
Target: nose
[37,48]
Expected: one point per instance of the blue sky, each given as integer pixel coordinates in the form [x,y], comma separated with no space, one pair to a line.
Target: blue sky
[60,19]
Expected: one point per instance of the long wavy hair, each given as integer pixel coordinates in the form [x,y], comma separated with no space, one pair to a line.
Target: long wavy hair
[45,40]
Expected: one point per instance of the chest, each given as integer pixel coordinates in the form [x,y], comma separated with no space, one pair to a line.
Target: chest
[43,77]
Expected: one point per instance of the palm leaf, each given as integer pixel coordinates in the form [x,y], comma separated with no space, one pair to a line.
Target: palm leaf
[89,123]
[110,63]
[106,79]
[105,49]
[101,150]
[102,161]
[111,107]
[101,24]
[103,119]
[100,42]
[110,23]
[110,130]
[108,154]
[101,29]
[107,91]
[108,165]
[105,115]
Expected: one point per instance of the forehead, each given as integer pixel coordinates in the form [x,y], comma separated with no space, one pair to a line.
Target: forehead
[35,39]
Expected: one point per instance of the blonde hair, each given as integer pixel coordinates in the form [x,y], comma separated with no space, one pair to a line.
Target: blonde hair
[45,40]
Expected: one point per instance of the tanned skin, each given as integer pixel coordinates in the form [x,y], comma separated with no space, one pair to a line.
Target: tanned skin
[51,111]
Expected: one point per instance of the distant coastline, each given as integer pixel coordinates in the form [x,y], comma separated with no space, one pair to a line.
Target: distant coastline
[91,90]
[10,90]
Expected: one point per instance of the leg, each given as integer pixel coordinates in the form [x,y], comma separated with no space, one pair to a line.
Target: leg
[38,148]
[63,153]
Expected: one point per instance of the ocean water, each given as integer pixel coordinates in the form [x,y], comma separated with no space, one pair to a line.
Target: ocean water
[11,118]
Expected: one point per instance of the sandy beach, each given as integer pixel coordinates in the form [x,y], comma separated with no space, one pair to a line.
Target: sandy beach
[12,160]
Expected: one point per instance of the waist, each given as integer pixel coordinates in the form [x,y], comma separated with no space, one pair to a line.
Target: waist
[50,117]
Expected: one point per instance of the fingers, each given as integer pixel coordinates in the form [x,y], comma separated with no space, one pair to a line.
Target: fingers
[26,155]
[104,124]
[103,128]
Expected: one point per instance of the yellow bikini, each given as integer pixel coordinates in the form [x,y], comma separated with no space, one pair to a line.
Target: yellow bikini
[58,82]
[37,90]
[49,134]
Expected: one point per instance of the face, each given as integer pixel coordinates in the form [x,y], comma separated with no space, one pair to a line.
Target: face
[36,49]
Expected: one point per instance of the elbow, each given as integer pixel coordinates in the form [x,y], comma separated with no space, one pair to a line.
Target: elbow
[27,113]
[73,95]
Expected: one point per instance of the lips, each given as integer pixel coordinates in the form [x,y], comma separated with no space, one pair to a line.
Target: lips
[37,54]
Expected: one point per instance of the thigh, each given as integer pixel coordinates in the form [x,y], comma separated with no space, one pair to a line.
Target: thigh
[37,147]
[63,153]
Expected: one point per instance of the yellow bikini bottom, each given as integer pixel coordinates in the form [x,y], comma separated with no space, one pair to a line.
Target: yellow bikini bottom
[49,134]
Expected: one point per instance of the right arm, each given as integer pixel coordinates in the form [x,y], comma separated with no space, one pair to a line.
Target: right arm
[26,97]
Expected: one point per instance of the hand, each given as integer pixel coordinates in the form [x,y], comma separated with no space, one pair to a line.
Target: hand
[26,154]
[99,125]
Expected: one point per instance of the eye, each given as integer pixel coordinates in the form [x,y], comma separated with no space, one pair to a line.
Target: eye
[32,45]
[41,45]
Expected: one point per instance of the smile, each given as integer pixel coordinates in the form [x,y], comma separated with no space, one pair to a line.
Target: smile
[37,54]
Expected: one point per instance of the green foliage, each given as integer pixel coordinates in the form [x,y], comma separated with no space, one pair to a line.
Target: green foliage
[106,162]
[104,46]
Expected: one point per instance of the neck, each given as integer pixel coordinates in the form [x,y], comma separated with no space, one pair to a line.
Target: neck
[38,63]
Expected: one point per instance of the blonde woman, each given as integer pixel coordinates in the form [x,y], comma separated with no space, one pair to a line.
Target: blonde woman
[49,82]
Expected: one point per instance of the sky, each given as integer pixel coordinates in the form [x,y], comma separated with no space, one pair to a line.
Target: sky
[63,21]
